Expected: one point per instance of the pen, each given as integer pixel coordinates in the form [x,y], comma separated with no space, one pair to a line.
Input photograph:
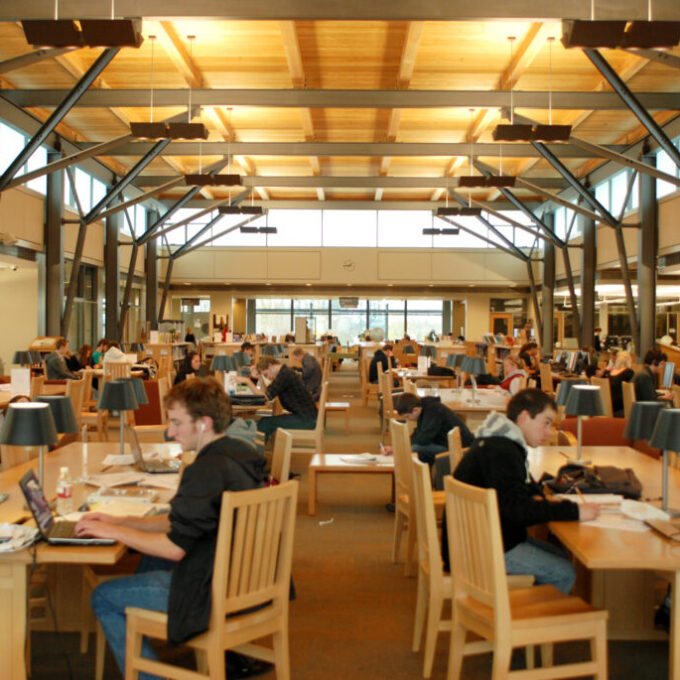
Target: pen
[580,495]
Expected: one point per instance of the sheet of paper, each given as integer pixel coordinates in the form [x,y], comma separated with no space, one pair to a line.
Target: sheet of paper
[115,478]
[160,481]
[21,381]
[615,520]
[118,459]
[598,498]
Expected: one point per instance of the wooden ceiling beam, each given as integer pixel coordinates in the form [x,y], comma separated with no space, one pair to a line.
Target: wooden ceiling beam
[291,46]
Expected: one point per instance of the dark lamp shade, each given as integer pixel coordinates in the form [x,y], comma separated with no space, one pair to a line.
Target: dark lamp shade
[455,360]
[642,418]
[473,366]
[117,395]
[221,362]
[565,389]
[136,347]
[138,388]
[37,357]
[23,358]
[585,400]
[62,412]
[29,424]
[666,434]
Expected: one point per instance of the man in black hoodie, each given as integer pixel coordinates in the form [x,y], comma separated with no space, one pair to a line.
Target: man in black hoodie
[178,548]
[434,420]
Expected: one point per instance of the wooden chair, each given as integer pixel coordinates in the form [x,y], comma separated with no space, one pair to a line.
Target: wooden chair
[75,391]
[116,369]
[311,441]
[368,389]
[155,432]
[386,385]
[339,407]
[252,575]
[280,465]
[404,506]
[545,372]
[483,604]
[676,396]
[628,390]
[606,392]
[97,419]
[410,387]
[37,384]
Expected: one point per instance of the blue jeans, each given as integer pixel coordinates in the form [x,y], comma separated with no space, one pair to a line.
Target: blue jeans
[148,588]
[547,562]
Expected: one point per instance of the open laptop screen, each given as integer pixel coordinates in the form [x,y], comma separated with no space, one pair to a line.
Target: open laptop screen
[37,503]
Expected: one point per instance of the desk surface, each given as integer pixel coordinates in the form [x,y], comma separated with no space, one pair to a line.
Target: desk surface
[599,548]
[487,400]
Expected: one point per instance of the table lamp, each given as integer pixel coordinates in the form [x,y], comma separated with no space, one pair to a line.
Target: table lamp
[221,362]
[455,361]
[564,388]
[583,400]
[474,366]
[118,395]
[666,436]
[36,356]
[30,424]
[23,358]
[62,412]
[138,388]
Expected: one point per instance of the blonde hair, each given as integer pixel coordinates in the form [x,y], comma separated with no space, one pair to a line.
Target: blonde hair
[623,359]
[515,360]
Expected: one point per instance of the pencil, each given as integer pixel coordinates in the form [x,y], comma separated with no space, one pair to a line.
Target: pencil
[580,495]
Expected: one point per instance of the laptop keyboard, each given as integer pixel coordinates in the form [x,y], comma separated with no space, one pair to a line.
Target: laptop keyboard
[63,529]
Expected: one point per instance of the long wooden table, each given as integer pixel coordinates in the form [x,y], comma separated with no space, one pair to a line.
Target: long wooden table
[622,563]
[13,565]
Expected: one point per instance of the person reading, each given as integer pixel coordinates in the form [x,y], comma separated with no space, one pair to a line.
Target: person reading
[497,459]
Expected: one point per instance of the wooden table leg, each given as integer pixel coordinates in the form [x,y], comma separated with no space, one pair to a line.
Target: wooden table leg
[311,493]
[347,421]
[13,619]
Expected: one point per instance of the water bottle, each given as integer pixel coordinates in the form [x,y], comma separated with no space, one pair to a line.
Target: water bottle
[64,492]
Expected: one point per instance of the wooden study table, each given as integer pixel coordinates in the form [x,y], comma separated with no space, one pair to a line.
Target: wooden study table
[622,563]
[13,582]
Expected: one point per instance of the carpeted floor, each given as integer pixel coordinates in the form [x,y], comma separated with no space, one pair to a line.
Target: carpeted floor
[353,616]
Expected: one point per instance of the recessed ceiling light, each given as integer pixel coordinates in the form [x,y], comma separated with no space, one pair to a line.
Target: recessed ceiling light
[308,284]
[430,285]
[471,285]
[349,285]
[268,284]
[390,284]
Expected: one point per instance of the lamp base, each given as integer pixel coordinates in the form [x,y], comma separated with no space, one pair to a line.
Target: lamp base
[575,460]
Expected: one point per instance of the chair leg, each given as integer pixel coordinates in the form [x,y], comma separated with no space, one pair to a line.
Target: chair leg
[281,654]
[201,661]
[410,547]
[598,650]
[100,653]
[421,605]
[86,615]
[133,648]
[434,613]
[216,666]
[530,657]
[398,530]
[456,651]
[547,654]
[502,654]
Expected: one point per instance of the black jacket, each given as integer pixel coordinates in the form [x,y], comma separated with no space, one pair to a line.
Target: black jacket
[380,358]
[500,463]
[227,464]
[434,423]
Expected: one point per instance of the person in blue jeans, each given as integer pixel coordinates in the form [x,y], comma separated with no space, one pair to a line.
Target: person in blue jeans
[179,547]
[497,460]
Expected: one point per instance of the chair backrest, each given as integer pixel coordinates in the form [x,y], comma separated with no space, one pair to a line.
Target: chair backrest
[606,392]
[455,446]
[401,450]
[321,413]
[75,391]
[410,387]
[476,549]
[254,552]
[280,467]
[546,378]
[163,389]
[628,391]
[37,384]
[87,390]
[429,552]
[116,369]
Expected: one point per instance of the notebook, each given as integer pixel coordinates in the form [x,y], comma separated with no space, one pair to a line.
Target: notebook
[152,466]
[55,533]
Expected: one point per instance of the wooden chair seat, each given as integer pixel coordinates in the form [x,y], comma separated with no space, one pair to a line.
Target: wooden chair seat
[339,407]
[311,441]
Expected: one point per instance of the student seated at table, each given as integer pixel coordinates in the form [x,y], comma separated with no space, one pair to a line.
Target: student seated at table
[191,365]
[308,369]
[497,460]
[434,420]
[178,548]
[622,372]
[99,352]
[55,363]
[385,357]
[647,378]
[287,385]
[514,374]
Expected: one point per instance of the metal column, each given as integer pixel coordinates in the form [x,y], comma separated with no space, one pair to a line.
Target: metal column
[588,267]
[648,244]
[113,225]
[152,275]
[54,249]
[548,289]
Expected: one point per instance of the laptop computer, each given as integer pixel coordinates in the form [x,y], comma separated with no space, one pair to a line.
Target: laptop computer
[152,466]
[55,533]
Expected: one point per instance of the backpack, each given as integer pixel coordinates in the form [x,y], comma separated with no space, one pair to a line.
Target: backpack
[596,479]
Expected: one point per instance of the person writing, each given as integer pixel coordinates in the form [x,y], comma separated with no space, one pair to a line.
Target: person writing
[55,363]
[385,357]
[498,460]
[309,369]
[178,547]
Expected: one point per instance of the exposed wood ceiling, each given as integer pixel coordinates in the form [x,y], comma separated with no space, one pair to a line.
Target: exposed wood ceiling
[376,112]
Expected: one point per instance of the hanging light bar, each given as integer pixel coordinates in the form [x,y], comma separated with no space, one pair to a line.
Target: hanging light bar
[213,180]
[441,232]
[458,212]
[169,130]
[258,230]
[82,33]
[532,133]
[240,210]
[613,34]
[493,181]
